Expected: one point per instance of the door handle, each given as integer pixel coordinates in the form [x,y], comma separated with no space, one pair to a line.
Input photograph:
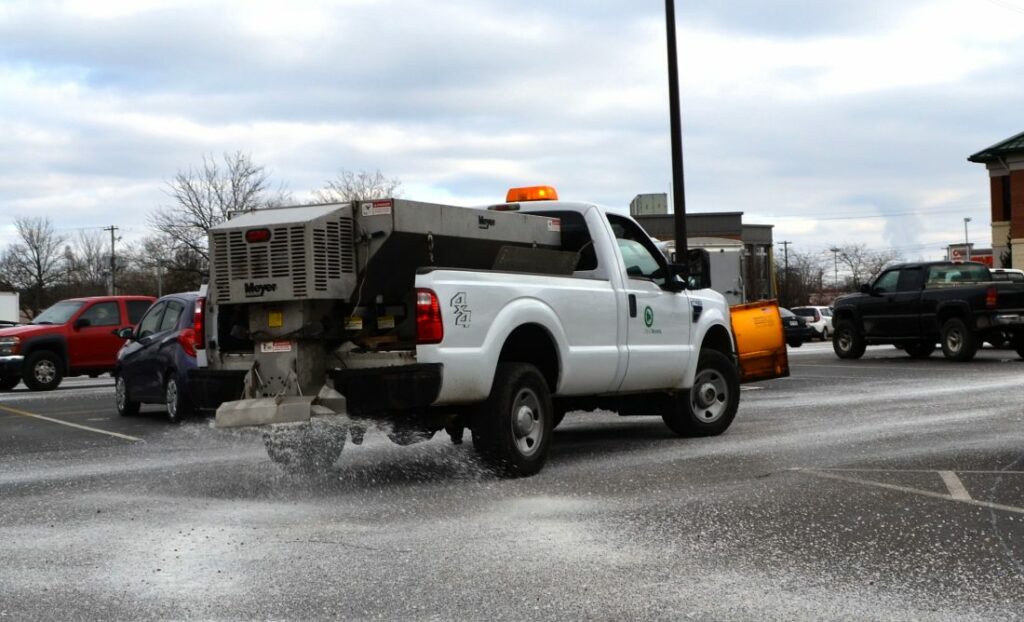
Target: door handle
[632,305]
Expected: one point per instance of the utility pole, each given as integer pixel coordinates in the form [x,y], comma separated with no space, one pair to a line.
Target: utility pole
[785,270]
[113,259]
[678,192]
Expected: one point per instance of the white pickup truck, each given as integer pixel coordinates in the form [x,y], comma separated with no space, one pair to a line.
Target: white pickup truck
[577,310]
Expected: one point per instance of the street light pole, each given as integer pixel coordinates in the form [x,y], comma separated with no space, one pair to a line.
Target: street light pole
[835,261]
[967,246]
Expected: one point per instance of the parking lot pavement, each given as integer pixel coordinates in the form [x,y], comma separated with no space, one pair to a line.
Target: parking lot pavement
[883,488]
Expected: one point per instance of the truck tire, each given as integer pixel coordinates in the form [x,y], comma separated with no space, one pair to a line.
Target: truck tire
[847,341]
[710,406]
[959,343]
[176,402]
[795,343]
[43,371]
[512,427]
[307,448]
[8,383]
[919,349]
[126,407]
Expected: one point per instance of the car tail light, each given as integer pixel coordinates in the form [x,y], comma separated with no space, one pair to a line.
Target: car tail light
[991,298]
[429,328]
[192,339]
[187,339]
[198,323]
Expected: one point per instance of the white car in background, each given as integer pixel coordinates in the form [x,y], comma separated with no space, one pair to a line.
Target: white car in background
[818,318]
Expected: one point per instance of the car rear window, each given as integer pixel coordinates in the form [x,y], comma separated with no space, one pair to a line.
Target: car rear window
[805,312]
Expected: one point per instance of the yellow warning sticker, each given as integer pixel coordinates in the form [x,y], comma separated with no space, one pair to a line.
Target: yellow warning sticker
[275,319]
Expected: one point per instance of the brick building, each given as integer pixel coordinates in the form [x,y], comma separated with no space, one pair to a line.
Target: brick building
[1005,164]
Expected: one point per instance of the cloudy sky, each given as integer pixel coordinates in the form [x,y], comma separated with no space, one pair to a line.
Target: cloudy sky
[836,121]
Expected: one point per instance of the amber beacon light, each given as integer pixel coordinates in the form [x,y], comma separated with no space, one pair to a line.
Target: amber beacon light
[531,193]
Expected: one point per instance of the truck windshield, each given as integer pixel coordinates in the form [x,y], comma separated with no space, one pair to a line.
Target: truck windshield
[58,313]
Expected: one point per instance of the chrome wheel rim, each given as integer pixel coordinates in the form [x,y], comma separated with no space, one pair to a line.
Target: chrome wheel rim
[709,397]
[120,393]
[954,341]
[172,399]
[527,427]
[844,340]
[45,371]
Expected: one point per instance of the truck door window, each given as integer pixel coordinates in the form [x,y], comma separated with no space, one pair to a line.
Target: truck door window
[911,279]
[103,314]
[638,252]
[887,282]
[136,309]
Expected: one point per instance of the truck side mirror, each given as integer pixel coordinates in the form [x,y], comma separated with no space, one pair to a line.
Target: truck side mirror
[865,289]
[699,269]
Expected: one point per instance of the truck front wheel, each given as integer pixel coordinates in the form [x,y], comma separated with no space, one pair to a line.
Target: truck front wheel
[512,428]
[709,407]
[959,343]
[847,341]
[43,371]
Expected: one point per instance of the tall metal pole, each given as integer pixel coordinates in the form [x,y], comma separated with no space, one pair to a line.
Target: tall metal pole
[113,260]
[967,245]
[835,265]
[678,192]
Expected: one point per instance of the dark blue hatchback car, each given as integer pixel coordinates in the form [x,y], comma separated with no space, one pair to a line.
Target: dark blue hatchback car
[153,365]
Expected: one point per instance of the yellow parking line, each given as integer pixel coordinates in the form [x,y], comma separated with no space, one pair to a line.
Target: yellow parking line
[23,413]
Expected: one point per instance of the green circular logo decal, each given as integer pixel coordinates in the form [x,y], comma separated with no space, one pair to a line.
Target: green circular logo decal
[648,316]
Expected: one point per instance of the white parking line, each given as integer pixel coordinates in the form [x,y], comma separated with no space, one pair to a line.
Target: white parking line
[914,491]
[23,413]
[955,486]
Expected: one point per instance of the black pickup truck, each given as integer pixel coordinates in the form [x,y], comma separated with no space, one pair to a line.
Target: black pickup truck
[916,305]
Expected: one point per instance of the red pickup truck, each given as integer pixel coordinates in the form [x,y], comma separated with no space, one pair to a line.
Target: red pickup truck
[72,338]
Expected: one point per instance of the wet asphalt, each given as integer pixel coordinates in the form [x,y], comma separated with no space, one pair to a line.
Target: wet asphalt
[880,489]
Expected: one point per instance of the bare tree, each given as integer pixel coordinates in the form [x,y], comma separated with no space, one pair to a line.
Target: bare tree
[803,278]
[205,196]
[87,263]
[862,263]
[349,186]
[35,264]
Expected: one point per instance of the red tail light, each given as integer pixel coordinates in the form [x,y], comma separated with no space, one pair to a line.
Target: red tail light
[253,236]
[192,339]
[198,323]
[187,339]
[429,328]
[991,298]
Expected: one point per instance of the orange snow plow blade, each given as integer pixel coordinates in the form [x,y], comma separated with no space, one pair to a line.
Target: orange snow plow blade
[760,343]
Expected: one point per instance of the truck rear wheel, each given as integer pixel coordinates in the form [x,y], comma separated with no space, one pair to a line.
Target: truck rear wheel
[847,341]
[959,343]
[512,427]
[43,371]
[306,447]
[709,407]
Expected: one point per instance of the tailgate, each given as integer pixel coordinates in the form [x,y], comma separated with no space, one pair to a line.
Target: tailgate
[760,342]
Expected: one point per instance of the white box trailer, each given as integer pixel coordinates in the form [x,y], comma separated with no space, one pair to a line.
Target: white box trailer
[10,309]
